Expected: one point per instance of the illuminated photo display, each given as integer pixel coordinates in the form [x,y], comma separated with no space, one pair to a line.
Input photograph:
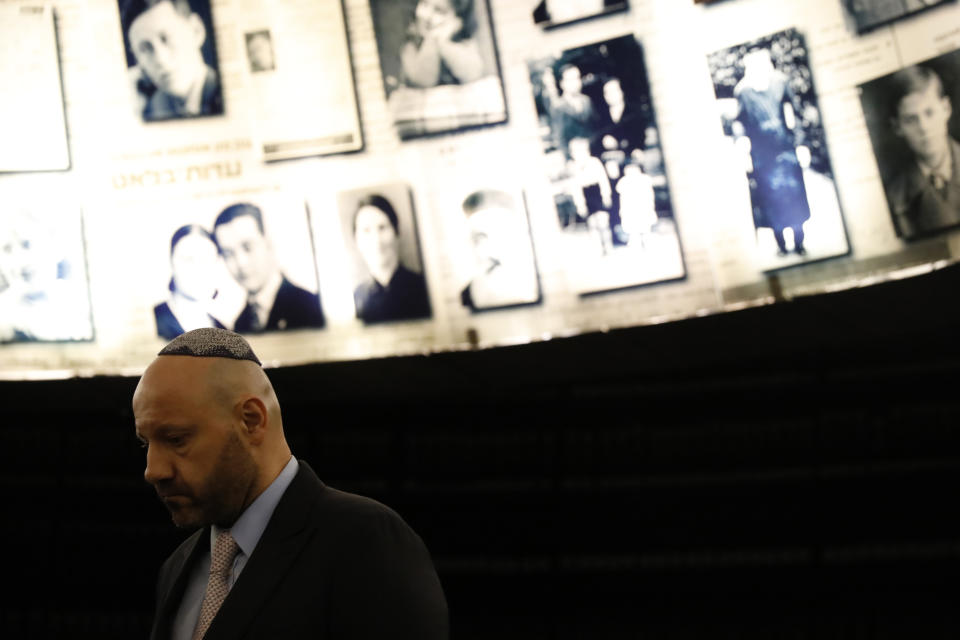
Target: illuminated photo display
[171,58]
[439,65]
[771,117]
[914,131]
[44,294]
[603,156]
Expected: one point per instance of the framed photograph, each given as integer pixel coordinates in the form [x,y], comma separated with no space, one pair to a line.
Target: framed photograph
[44,289]
[552,13]
[439,64]
[171,58]
[245,265]
[260,54]
[386,269]
[496,231]
[605,164]
[914,131]
[302,95]
[771,119]
[33,126]
[869,14]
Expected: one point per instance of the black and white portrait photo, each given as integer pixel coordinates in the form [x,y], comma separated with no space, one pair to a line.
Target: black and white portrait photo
[549,13]
[771,120]
[915,133]
[602,146]
[504,271]
[171,58]
[386,267]
[439,64]
[867,14]
[260,51]
[226,269]
[44,293]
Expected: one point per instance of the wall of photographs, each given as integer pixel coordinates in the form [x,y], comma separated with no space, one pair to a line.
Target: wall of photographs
[364,178]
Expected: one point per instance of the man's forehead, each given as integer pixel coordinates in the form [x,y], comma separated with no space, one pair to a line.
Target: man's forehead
[915,100]
[160,14]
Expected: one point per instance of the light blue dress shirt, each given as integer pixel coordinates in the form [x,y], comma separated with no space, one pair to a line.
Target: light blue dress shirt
[247,531]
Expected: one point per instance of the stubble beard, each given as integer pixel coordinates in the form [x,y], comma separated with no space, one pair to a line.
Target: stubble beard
[224,496]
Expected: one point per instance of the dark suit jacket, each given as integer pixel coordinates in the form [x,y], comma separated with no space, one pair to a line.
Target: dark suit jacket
[916,206]
[167,324]
[330,565]
[293,308]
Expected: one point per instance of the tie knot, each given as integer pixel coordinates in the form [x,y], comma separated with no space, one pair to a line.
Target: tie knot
[224,551]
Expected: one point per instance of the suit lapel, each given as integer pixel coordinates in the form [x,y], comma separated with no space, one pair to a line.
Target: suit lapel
[176,580]
[282,541]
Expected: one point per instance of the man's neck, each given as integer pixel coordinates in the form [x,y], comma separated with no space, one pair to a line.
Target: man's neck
[385,274]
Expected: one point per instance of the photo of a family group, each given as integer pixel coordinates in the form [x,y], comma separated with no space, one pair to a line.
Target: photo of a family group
[771,119]
[603,158]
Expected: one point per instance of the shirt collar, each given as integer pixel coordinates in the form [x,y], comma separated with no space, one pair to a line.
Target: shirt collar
[944,170]
[249,527]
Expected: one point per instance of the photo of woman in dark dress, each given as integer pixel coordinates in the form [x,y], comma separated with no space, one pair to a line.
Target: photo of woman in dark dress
[392,291]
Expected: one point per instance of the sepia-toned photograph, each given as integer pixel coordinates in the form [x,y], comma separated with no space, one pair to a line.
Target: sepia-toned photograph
[603,157]
[552,13]
[260,51]
[439,64]
[915,133]
[171,58]
[44,290]
[226,270]
[869,14]
[386,268]
[504,269]
[768,108]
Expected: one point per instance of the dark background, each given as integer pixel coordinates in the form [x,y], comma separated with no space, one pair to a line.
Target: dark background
[780,472]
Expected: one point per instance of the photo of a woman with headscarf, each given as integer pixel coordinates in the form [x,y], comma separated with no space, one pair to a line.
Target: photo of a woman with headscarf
[388,290]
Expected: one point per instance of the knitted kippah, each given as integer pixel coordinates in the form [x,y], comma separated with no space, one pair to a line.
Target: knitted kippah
[210,343]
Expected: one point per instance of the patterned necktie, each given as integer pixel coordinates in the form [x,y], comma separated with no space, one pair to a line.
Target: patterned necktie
[221,561]
[255,322]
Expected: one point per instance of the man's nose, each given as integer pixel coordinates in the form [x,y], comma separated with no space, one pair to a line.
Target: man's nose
[158,467]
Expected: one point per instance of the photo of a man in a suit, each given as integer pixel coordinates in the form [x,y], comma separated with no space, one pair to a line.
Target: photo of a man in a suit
[273,301]
[924,195]
[277,553]
[171,58]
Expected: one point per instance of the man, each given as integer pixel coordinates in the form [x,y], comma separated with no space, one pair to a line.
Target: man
[171,77]
[278,554]
[273,302]
[924,196]
[505,272]
[575,113]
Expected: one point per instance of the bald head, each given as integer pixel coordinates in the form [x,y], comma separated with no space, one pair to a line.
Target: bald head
[213,430]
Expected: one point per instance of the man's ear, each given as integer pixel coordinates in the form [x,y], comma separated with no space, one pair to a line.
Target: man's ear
[253,413]
[947,106]
[199,31]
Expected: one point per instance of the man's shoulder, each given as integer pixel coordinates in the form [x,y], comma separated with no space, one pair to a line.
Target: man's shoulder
[290,291]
